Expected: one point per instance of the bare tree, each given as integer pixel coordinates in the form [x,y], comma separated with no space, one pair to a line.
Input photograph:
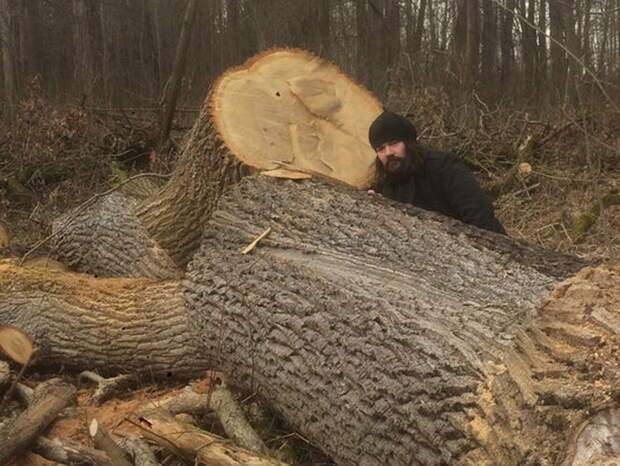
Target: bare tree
[8,61]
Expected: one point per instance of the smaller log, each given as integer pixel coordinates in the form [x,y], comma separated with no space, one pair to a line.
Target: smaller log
[49,399]
[222,402]
[70,453]
[103,441]
[196,445]
[106,387]
[234,421]
[139,451]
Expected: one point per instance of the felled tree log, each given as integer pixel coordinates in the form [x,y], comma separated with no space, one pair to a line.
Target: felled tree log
[113,325]
[121,235]
[385,334]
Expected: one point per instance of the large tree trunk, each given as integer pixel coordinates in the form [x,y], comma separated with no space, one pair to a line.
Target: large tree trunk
[385,334]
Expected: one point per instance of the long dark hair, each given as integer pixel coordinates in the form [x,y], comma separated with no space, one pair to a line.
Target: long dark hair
[416,153]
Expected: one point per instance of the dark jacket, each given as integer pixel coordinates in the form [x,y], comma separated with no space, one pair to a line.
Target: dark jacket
[446,185]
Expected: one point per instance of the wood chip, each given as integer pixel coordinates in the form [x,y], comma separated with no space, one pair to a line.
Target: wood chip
[253,244]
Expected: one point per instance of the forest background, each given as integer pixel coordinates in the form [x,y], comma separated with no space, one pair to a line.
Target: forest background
[526,91]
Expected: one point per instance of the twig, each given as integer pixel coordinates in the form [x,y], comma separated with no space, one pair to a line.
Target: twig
[253,244]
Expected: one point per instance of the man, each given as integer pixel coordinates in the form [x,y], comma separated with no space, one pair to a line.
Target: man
[432,180]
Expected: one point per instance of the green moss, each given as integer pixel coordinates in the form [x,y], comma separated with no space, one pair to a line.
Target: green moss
[585,221]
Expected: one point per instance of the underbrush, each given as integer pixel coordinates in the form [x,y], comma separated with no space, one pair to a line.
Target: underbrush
[52,159]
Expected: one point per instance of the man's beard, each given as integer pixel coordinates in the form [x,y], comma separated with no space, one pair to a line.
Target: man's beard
[398,169]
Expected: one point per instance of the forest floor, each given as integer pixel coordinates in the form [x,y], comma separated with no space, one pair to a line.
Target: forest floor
[52,160]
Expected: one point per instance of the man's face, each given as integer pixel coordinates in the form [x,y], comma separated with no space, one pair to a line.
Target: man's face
[392,156]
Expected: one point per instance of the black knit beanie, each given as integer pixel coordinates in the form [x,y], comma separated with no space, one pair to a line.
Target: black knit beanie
[390,126]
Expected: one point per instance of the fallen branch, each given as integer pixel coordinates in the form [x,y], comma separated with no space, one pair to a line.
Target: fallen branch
[516,172]
[253,244]
[139,451]
[220,400]
[196,445]
[5,376]
[585,221]
[106,387]
[49,399]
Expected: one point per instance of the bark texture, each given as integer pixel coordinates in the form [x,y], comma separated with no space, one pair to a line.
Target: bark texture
[112,325]
[123,236]
[414,328]
[385,334]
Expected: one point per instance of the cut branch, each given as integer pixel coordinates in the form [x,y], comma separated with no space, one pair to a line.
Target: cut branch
[197,445]
[49,399]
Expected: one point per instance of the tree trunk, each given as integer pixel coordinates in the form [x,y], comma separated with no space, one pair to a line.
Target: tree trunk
[473,43]
[171,90]
[488,46]
[84,65]
[507,48]
[8,64]
[385,334]
[558,56]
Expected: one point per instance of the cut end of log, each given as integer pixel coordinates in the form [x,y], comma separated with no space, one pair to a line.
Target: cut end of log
[16,344]
[289,109]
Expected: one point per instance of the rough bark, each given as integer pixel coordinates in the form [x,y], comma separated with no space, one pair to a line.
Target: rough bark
[121,236]
[113,325]
[385,334]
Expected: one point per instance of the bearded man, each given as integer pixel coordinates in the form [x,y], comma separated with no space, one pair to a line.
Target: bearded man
[430,179]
